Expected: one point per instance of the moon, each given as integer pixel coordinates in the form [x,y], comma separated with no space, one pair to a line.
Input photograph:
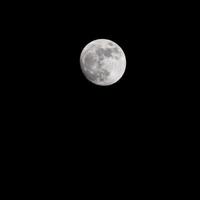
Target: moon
[103,62]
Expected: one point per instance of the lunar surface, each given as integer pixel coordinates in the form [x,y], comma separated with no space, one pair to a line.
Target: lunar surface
[103,62]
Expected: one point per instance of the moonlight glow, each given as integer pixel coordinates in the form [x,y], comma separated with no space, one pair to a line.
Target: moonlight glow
[103,62]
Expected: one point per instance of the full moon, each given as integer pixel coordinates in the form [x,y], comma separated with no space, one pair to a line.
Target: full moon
[103,62]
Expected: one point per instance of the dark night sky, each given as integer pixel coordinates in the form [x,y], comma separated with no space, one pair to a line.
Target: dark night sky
[51,38]
[66,125]
[143,35]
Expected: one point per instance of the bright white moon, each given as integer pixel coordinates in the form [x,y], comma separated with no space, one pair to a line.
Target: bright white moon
[103,62]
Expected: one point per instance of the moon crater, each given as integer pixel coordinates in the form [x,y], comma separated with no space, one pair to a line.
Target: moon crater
[103,62]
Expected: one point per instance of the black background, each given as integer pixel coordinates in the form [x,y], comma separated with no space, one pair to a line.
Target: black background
[50,38]
[47,39]
[61,116]
[51,92]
